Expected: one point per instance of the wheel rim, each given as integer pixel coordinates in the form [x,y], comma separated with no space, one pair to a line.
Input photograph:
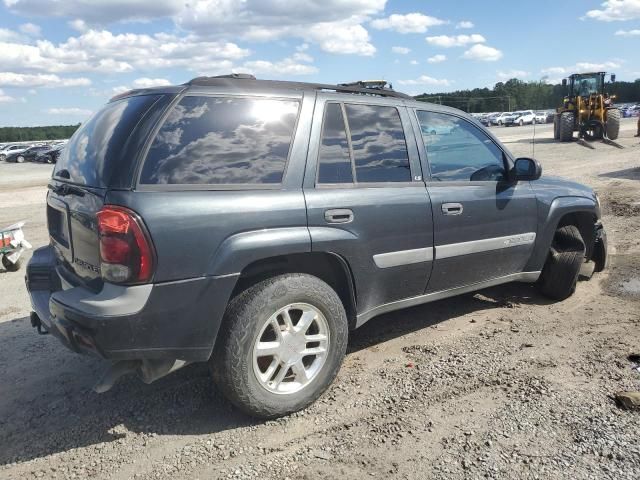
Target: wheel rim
[291,348]
[20,159]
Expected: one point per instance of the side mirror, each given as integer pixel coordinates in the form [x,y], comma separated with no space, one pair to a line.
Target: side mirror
[613,77]
[526,169]
[564,82]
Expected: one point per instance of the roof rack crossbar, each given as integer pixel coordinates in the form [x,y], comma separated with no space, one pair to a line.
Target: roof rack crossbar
[342,88]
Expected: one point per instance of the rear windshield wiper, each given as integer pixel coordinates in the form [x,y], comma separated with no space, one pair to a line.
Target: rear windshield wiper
[66,189]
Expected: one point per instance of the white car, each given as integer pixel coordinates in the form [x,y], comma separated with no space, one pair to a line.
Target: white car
[522,117]
[541,117]
[11,149]
[499,119]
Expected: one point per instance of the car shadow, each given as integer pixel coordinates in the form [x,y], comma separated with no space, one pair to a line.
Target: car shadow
[47,405]
[627,174]
[401,322]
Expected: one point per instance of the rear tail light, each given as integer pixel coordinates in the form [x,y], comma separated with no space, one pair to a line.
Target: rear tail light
[126,252]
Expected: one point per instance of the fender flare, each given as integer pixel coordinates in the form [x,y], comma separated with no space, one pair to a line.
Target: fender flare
[559,208]
[242,249]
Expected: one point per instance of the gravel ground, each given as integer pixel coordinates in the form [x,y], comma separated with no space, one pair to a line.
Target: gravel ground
[498,384]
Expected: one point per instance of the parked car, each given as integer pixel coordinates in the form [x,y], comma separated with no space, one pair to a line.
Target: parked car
[499,119]
[8,149]
[540,117]
[550,116]
[487,120]
[26,155]
[50,155]
[252,224]
[523,117]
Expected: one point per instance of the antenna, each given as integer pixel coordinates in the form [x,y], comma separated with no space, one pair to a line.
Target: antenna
[533,140]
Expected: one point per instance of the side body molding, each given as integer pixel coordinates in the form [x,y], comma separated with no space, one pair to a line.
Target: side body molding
[548,220]
[241,249]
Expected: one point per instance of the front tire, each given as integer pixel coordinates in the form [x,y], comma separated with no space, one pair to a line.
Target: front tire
[612,127]
[19,159]
[560,272]
[281,345]
[567,120]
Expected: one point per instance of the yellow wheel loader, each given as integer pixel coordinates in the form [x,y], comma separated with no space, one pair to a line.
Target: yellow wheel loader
[587,109]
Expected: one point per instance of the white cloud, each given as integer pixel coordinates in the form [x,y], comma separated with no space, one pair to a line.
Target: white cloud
[401,50]
[97,11]
[145,82]
[616,10]
[628,33]
[4,98]
[7,35]
[446,41]
[509,74]
[71,111]
[482,53]
[580,67]
[413,62]
[426,80]
[78,25]
[288,66]
[409,23]
[437,58]
[465,24]
[31,29]
[10,79]
[104,51]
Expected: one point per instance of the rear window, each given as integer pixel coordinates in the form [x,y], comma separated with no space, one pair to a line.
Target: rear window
[222,141]
[94,152]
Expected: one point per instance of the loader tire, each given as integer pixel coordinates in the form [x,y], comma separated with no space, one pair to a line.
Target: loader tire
[612,126]
[567,120]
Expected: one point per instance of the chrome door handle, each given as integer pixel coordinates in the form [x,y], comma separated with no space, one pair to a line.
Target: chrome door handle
[452,208]
[339,215]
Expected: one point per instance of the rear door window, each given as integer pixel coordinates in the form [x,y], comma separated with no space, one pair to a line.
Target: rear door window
[378,142]
[334,158]
[222,141]
[376,149]
[95,150]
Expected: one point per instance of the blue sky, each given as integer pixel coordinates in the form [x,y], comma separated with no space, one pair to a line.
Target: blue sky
[61,60]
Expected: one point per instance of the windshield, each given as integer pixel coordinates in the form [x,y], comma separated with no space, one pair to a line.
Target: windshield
[93,153]
[585,86]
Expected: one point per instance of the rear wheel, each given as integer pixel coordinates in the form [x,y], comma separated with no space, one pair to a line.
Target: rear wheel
[281,345]
[566,256]
[521,123]
[567,120]
[612,127]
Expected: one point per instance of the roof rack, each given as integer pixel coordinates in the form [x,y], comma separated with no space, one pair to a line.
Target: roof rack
[367,87]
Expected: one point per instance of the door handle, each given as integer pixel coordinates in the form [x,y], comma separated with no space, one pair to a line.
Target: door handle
[452,208]
[339,215]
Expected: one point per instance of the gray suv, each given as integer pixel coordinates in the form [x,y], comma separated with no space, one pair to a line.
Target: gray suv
[252,224]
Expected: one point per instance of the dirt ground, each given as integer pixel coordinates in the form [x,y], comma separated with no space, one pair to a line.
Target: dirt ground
[497,384]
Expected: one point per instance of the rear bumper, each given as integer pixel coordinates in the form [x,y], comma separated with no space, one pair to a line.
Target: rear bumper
[174,320]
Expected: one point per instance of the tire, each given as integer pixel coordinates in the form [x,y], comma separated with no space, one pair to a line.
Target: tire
[521,123]
[19,159]
[612,127]
[499,123]
[3,157]
[567,120]
[249,320]
[10,267]
[556,127]
[566,256]
[49,159]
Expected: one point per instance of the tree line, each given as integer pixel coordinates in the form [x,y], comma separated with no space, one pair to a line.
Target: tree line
[516,94]
[27,134]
